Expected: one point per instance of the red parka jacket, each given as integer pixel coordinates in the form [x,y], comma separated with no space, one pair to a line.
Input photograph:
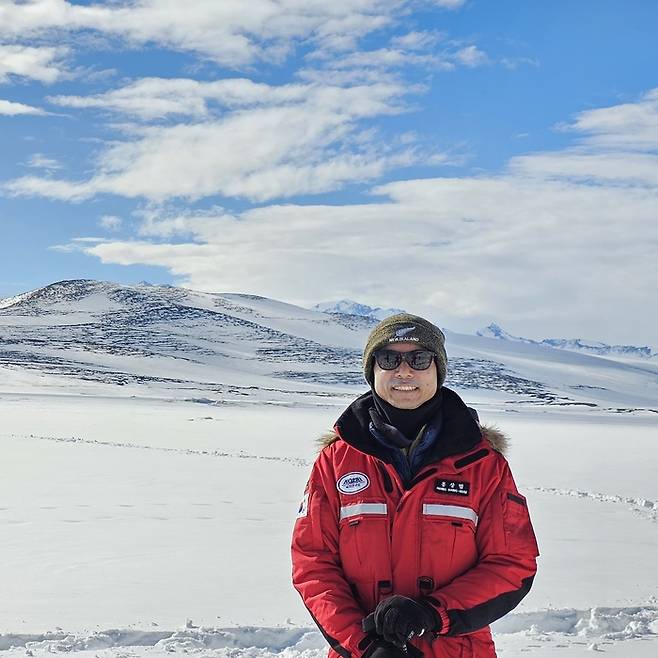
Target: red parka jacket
[458,534]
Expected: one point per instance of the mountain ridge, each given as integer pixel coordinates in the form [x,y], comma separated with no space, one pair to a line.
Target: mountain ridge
[493,330]
[350,307]
[90,337]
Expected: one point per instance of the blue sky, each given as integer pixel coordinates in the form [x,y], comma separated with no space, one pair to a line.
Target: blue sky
[468,160]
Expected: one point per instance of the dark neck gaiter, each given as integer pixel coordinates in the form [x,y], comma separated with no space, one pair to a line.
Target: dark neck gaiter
[408,421]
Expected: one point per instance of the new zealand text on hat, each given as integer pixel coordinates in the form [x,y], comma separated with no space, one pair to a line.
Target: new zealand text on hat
[406,328]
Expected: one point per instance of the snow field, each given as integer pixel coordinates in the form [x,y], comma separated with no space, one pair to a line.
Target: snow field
[170,523]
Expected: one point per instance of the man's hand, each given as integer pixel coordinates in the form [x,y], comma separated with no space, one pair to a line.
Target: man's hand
[398,618]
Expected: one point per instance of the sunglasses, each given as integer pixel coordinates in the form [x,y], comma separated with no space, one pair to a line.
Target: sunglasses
[390,359]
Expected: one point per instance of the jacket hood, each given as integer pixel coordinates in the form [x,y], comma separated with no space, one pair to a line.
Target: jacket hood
[498,440]
[460,431]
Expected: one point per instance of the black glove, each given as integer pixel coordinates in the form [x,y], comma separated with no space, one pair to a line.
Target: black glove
[381,649]
[398,618]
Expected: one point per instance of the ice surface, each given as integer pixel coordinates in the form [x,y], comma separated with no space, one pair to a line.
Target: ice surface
[138,527]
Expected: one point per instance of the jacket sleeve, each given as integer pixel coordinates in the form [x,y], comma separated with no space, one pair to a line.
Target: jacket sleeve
[505,569]
[316,570]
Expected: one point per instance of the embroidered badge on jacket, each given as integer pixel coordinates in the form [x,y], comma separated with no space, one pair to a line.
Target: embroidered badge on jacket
[352,483]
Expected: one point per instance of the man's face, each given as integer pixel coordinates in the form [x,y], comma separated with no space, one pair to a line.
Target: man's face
[404,387]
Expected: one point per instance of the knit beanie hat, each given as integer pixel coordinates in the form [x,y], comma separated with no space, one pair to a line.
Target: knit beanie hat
[406,328]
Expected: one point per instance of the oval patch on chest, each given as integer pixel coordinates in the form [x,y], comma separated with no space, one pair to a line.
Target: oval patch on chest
[353,483]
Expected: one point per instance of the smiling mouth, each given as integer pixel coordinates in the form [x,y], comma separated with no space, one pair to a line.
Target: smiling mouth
[405,388]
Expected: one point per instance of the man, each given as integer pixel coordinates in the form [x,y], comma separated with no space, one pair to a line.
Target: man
[411,537]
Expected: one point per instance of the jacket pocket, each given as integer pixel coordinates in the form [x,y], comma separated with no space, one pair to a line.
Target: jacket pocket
[519,534]
[447,544]
[364,541]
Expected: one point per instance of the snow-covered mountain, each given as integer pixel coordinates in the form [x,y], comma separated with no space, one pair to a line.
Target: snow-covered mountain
[494,331]
[348,307]
[595,347]
[573,344]
[97,337]
[176,341]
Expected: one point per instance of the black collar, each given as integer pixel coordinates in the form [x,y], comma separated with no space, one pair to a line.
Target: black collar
[460,431]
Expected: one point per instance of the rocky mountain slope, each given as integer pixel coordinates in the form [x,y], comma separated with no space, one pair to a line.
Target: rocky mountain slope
[92,337]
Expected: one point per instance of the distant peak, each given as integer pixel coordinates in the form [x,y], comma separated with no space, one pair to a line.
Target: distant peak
[350,307]
[494,330]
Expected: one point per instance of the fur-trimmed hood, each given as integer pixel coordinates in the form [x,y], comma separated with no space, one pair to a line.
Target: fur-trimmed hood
[497,439]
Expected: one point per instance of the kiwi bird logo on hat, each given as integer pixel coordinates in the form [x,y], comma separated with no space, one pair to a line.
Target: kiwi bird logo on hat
[402,335]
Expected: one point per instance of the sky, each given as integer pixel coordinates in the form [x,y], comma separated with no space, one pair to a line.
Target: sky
[469,161]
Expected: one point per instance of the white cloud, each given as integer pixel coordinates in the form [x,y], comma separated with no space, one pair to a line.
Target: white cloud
[111,222]
[420,50]
[626,126]
[388,58]
[348,77]
[76,245]
[471,56]
[156,98]
[226,31]
[9,108]
[616,145]
[539,245]
[293,140]
[42,63]
[64,248]
[416,40]
[47,187]
[612,167]
[40,161]
[514,63]
[474,249]
[450,4]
